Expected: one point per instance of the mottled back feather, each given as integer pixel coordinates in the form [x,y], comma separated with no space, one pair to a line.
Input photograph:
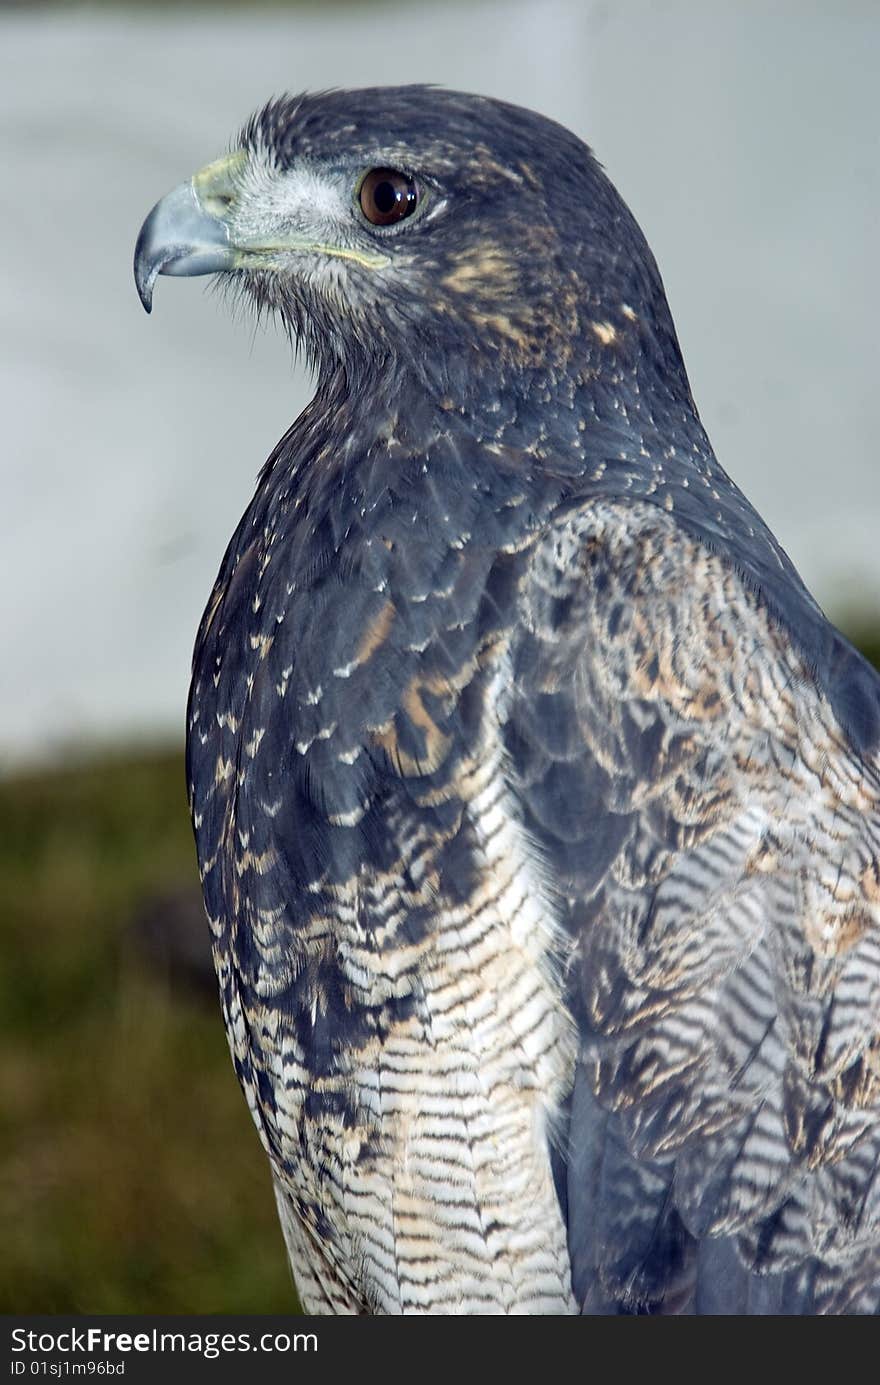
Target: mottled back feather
[714,837]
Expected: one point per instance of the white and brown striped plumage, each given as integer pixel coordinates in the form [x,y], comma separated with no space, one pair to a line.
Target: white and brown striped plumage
[536,801]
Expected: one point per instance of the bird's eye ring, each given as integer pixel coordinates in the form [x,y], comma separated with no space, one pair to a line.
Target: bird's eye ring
[386,196]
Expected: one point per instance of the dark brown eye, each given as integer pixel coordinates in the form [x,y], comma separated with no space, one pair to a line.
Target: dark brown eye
[387,196]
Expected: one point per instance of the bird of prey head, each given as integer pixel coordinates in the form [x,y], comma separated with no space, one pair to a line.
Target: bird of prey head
[384,224]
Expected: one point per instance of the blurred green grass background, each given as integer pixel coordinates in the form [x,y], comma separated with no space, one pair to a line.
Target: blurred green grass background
[131,1178]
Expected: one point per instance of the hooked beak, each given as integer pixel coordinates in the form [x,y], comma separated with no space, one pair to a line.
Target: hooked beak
[186,232]
[189,232]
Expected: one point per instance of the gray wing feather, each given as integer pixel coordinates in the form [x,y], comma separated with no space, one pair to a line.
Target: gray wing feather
[715,840]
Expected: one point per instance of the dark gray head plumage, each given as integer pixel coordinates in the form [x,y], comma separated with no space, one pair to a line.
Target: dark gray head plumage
[519,253]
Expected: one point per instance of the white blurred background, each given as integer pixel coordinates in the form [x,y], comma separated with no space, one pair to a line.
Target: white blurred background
[743,135]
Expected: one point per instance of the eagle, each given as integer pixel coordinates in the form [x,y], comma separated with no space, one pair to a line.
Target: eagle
[536,801]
